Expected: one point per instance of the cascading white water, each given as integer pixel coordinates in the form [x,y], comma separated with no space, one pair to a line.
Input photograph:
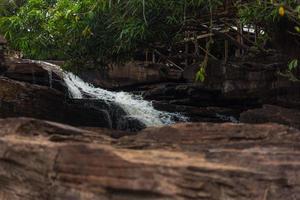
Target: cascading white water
[133,105]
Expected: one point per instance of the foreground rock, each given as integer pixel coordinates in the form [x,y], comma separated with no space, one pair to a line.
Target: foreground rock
[44,160]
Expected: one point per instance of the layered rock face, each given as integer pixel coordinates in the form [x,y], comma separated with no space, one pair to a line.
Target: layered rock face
[46,160]
[26,71]
[127,75]
[229,90]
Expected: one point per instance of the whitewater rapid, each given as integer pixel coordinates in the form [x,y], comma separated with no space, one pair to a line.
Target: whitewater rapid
[133,105]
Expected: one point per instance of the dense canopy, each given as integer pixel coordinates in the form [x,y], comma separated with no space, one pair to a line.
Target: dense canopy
[104,31]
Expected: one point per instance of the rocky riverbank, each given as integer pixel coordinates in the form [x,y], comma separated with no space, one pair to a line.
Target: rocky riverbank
[46,160]
[228,94]
[43,159]
[29,89]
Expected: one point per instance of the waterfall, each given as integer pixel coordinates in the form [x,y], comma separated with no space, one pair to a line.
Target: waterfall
[133,105]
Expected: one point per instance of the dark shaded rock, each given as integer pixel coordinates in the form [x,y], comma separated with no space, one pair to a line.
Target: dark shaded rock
[194,94]
[239,85]
[30,100]
[84,115]
[127,123]
[197,114]
[199,103]
[290,101]
[115,117]
[24,99]
[181,91]
[126,75]
[3,68]
[271,113]
[184,161]
[112,111]
[30,72]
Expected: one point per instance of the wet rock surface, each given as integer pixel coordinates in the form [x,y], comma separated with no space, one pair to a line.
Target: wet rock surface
[130,124]
[112,115]
[46,160]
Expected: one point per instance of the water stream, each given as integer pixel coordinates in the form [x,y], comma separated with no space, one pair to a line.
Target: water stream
[133,105]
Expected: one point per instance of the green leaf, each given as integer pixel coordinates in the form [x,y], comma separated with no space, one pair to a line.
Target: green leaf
[293,64]
[200,76]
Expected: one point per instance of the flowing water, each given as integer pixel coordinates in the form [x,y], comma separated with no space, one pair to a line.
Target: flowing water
[133,105]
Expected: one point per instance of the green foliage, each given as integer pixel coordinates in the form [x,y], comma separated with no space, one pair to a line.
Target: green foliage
[291,71]
[95,32]
[275,17]
[293,64]
[200,76]
[267,14]
[9,7]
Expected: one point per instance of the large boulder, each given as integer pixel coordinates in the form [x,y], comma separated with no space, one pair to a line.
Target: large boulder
[24,99]
[35,72]
[113,115]
[45,160]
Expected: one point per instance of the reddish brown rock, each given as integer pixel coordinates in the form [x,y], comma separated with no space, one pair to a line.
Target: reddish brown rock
[23,99]
[226,161]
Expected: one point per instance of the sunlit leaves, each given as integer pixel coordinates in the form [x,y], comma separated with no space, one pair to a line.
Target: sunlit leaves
[200,75]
